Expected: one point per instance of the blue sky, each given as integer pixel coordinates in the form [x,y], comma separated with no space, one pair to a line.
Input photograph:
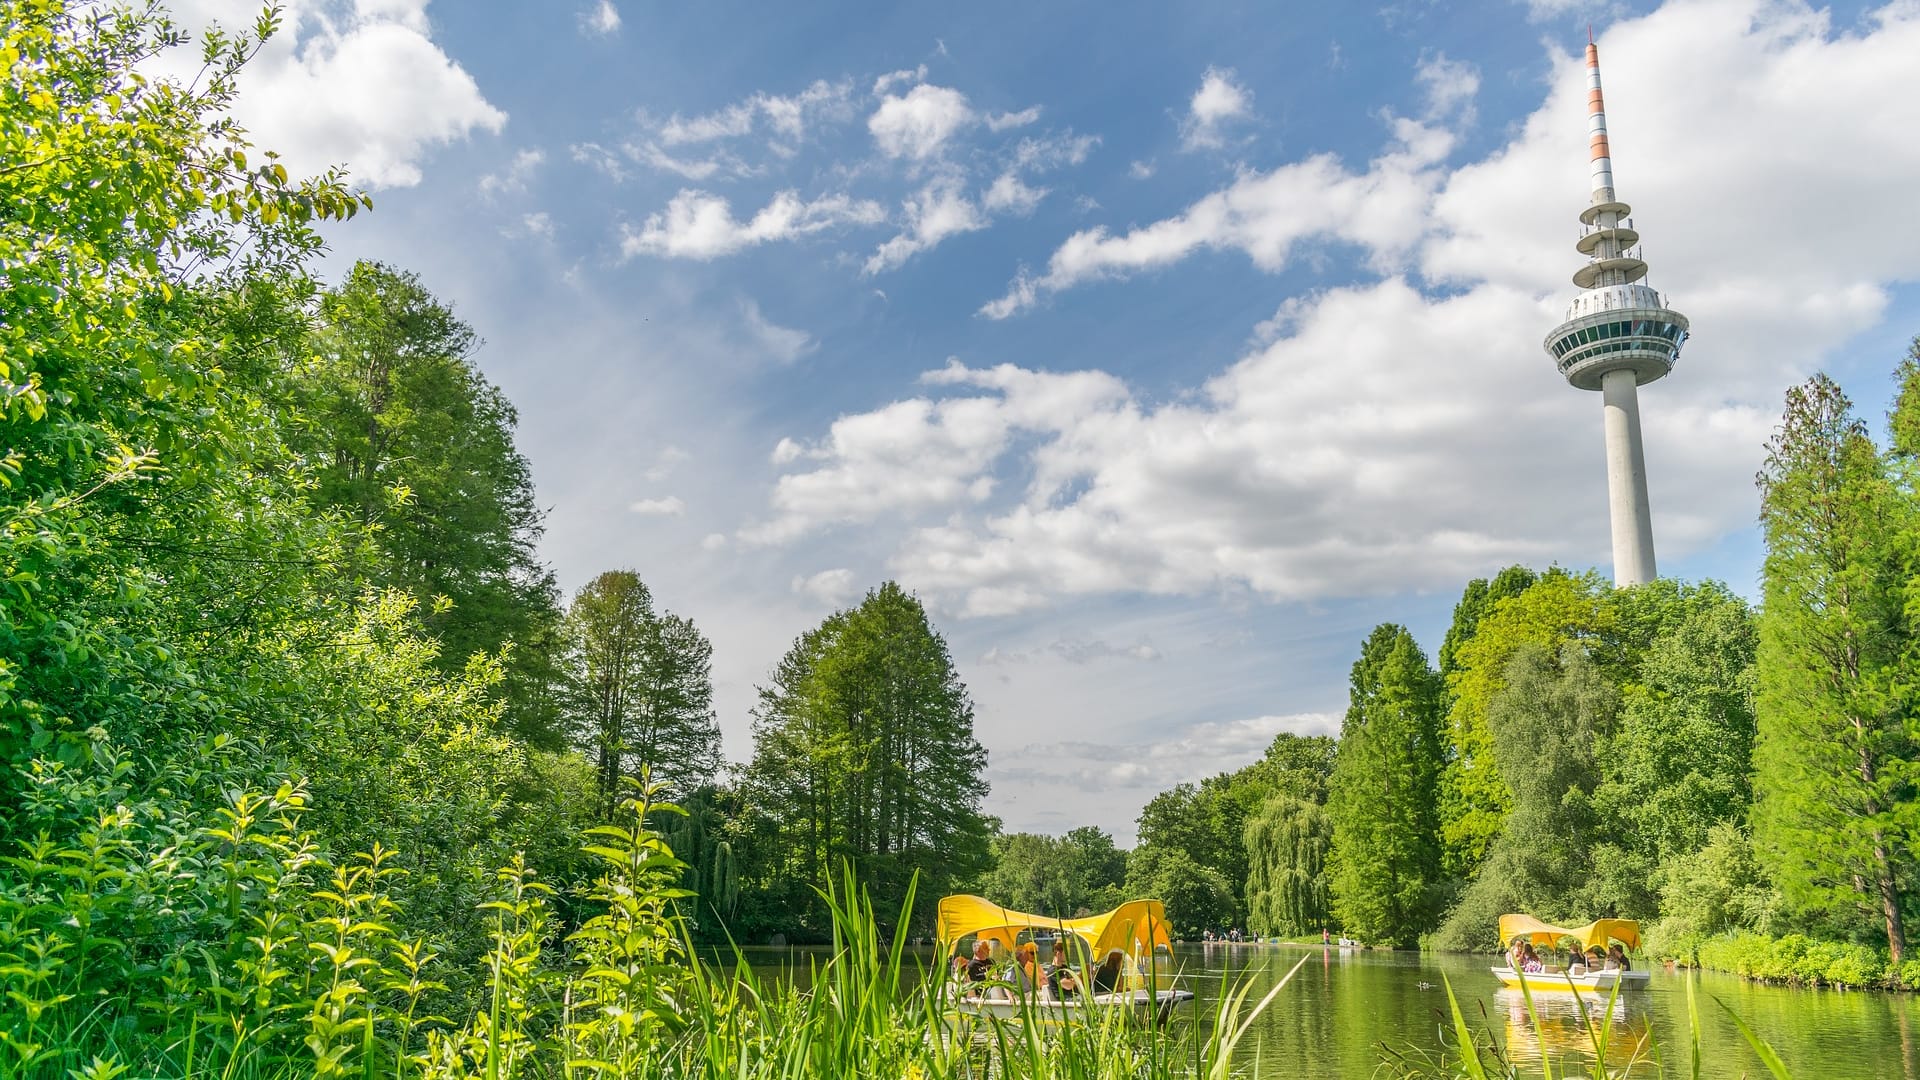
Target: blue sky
[1162,349]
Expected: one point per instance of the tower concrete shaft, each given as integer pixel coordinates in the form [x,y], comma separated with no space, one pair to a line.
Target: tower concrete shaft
[1619,333]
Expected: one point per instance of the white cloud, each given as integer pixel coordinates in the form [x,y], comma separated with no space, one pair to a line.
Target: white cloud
[939,210]
[830,587]
[669,506]
[537,224]
[1141,170]
[1010,193]
[916,454]
[1388,435]
[1127,771]
[713,542]
[1449,86]
[513,179]
[1075,651]
[601,159]
[700,225]
[899,78]
[1265,215]
[356,84]
[1003,121]
[780,342]
[1049,152]
[669,458]
[788,117]
[1219,103]
[918,125]
[601,20]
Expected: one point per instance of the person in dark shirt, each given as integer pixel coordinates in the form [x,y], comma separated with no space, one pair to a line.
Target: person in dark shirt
[1060,977]
[981,965]
[1106,977]
[1617,957]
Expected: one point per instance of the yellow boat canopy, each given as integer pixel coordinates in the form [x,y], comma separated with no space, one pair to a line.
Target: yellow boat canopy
[1134,927]
[1544,935]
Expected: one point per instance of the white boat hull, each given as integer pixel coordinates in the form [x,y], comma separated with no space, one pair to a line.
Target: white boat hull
[1601,982]
[1155,1005]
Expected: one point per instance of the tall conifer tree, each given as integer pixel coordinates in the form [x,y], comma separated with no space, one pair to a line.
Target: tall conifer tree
[1834,760]
[1384,797]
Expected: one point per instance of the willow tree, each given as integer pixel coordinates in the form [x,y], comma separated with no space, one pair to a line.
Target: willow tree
[1384,798]
[1287,843]
[1835,762]
[864,754]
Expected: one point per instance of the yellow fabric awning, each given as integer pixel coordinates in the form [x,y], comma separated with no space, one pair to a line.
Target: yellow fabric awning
[1134,927]
[1546,935]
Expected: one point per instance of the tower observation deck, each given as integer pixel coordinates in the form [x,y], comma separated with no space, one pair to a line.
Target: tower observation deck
[1619,333]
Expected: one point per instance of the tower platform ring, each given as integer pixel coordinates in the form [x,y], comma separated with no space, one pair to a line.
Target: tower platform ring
[1646,340]
[1592,213]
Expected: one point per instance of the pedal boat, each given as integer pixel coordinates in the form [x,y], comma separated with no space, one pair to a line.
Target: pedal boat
[1137,928]
[1601,932]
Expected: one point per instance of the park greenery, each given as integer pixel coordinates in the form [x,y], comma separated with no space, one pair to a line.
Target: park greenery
[307,767]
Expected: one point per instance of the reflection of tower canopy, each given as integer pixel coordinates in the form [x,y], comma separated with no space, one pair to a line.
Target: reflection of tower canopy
[1619,334]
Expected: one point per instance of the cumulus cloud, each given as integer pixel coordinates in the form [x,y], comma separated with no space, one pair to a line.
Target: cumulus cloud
[1264,215]
[1408,431]
[669,506]
[1449,86]
[831,587]
[700,225]
[921,453]
[600,20]
[1220,103]
[918,124]
[940,209]
[356,84]
[1074,651]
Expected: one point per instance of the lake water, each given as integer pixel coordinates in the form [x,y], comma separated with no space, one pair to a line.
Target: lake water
[1344,1007]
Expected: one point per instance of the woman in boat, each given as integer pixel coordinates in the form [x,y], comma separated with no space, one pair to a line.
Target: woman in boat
[1530,960]
[1060,977]
[1516,956]
[1596,958]
[1576,961]
[1106,977]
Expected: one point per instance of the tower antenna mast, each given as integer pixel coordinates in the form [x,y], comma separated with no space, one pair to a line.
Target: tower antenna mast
[1619,334]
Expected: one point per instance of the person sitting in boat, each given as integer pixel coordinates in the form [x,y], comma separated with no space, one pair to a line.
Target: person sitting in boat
[980,968]
[1596,958]
[1516,953]
[1106,977]
[1061,981]
[1576,961]
[1530,960]
[1617,959]
[1026,968]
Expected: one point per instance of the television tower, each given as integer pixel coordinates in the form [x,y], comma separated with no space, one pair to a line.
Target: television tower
[1618,334]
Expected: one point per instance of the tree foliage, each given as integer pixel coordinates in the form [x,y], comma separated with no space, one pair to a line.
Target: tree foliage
[1384,799]
[1287,881]
[1835,760]
[864,755]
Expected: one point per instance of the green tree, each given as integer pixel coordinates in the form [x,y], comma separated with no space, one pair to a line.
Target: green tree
[407,436]
[1679,765]
[642,688]
[1835,761]
[1555,609]
[1546,719]
[1476,600]
[1287,883]
[864,754]
[1384,799]
[1196,897]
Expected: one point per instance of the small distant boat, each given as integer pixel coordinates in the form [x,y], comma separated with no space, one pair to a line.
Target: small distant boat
[1136,929]
[1574,978]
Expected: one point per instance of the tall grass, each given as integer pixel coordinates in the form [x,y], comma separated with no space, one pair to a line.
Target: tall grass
[236,951]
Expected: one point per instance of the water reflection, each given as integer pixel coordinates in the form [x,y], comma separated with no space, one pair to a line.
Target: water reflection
[1567,1028]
